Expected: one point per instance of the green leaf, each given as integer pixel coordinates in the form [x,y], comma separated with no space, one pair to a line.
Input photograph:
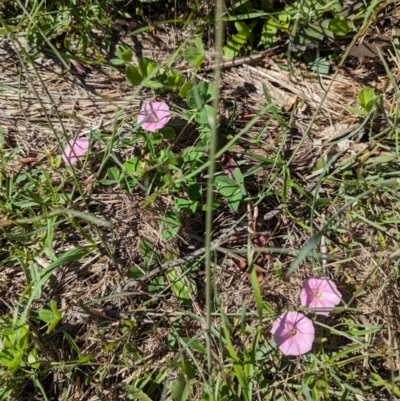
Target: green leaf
[147,66]
[237,42]
[105,181]
[8,338]
[194,55]
[179,389]
[46,315]
[268,34]
[85,359]
[187,370]
[133,75]
[310,36]
[240,180]
[199,44]
[243,6]
[339,26]
[132,166]
[134,393]
[179,287]
[170,225]
[356,111]
[185,205]
[194,191]
[215,205]
[153,84]
[33,359]
[15,363]
[243,29]
[205,116]
[168,133]
[5,393]
[116,61]
[226,186]
[318,64]
[230,190]
[367,98]
[113,174]
[185,89]
[201,94]
[337,6]
[191,155]
[230,52]
[22,336]
[6,356]
[55,310]
[50,314]
[146,249]
[172,79]
[234,201]
[138,271]
[124,53]
[156,285]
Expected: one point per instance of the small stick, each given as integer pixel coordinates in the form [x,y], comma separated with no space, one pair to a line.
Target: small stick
[235,62]
[165,266]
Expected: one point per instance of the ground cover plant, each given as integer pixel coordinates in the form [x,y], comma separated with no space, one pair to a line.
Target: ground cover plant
[199,201]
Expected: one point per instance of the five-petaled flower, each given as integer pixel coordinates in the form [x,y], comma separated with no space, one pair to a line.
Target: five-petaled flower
[74,149]
[294,333]
[154,116]
[320,292]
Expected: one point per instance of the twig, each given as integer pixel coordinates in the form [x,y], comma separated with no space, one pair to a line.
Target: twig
[168,265]
[165,266]
[235,62]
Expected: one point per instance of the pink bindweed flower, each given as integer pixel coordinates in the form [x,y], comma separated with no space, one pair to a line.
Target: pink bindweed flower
[294,333]
[74,149]
[154,116]
[320,292]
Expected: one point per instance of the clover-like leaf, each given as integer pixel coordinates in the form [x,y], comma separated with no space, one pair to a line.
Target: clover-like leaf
[230,190]
[195,54]
[201,94]
[133,75]
[339,26]
[367,98]
[124,53]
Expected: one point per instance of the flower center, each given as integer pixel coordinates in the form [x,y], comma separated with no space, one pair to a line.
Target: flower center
[293,332]
[318,294]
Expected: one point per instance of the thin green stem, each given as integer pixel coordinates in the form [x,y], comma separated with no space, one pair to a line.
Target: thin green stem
[219,28]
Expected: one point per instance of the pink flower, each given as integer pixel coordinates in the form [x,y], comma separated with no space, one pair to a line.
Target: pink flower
[320,292]
[294,333]
[74,149]
[154,116]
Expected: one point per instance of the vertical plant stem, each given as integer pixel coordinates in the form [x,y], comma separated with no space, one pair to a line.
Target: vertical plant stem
[219,27]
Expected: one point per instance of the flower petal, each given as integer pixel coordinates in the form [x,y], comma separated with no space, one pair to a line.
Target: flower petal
[328,294]
[154,116]
[74,149]
[294,333]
